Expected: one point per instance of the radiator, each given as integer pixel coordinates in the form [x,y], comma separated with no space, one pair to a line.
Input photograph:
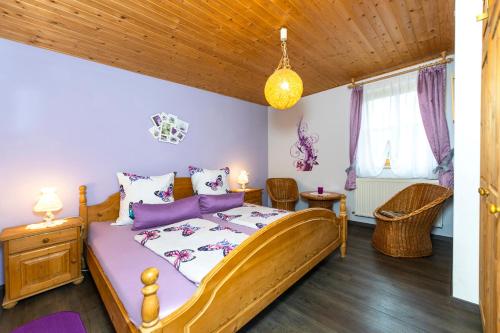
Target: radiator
[373,192]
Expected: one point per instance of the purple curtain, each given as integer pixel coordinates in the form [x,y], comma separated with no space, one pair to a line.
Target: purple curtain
[355,124]
[431,98]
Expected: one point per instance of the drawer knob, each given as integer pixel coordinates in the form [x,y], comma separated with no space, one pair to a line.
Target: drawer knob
[73,261]
[45,240]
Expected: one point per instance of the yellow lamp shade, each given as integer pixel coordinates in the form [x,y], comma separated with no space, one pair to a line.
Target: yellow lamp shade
[283,89]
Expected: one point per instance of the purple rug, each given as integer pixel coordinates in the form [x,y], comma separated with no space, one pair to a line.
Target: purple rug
[60,322]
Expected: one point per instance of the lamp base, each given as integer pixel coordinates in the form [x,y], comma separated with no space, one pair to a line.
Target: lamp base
[49,216]
[243,186]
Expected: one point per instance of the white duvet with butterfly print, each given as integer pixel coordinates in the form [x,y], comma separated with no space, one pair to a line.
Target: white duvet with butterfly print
[192,246]
[252,216]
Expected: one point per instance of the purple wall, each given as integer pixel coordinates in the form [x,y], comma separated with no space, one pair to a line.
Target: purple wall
[67,121]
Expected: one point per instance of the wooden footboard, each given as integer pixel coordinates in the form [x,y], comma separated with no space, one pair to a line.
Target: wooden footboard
[253,275]
[244,282]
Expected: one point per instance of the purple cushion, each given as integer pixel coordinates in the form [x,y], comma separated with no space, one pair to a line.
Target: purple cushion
[221,202]
[61,322]
[153,215]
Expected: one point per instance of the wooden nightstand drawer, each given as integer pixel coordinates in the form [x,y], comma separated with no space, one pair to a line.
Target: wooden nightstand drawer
[252,195]
[37,270]
[45,239]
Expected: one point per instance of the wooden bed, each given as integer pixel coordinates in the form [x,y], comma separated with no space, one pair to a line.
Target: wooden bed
[270,261]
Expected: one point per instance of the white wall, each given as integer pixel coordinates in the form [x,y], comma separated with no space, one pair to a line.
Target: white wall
[467,154]
[327,114]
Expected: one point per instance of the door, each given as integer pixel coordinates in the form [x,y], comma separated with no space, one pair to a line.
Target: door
[36,270]
[489,190]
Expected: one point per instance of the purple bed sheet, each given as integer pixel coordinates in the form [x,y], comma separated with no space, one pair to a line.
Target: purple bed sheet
[123,260]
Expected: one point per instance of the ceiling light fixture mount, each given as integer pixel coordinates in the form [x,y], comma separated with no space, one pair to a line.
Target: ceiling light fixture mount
[284,87]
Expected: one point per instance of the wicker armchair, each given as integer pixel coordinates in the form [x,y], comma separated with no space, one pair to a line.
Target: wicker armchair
[404,222]
[283,192]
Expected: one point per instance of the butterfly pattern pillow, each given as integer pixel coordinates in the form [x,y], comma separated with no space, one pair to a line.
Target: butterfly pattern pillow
[142,189]
[209,181]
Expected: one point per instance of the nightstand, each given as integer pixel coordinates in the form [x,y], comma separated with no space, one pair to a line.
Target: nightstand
[36,260]
[252,195]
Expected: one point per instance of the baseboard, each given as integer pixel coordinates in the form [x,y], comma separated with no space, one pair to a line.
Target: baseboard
[362,224]
[442,238]
[472,307]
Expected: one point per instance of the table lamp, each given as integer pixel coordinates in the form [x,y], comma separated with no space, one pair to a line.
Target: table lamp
[48,202]
[243,179]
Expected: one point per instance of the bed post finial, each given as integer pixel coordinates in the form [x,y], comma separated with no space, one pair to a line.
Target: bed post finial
[83,195]
[343,219]
[150,304]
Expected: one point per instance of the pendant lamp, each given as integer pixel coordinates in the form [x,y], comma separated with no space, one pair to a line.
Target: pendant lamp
[284,87]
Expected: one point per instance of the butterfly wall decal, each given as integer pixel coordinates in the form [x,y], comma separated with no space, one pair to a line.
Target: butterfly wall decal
[180,256]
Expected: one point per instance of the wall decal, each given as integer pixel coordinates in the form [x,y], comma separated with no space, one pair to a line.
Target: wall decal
[303,152]
[168,128]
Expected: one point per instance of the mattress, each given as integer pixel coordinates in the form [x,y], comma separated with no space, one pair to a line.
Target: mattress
[123,260]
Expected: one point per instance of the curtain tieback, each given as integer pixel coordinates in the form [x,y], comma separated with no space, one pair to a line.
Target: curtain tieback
[445,164]
[349,169]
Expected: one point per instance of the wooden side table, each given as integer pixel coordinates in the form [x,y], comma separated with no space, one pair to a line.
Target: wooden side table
[36,260]
[324,200]
[252,195]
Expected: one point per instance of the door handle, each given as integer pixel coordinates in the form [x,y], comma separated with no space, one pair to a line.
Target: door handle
[483,192]
[484,15]
[494,209]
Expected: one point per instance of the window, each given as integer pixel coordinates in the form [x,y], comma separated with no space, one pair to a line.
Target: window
[392,128]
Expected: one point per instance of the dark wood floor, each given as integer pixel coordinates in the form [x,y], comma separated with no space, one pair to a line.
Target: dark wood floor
[365,292]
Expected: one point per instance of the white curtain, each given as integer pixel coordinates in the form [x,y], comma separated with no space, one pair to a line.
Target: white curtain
[391,127]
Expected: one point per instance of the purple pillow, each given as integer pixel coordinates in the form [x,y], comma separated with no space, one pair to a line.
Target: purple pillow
[219,203]
[153,215]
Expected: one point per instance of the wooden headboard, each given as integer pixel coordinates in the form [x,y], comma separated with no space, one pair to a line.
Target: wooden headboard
[108,209]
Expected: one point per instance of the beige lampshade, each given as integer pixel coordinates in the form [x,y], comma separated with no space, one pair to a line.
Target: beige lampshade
[49,201]
[243,177]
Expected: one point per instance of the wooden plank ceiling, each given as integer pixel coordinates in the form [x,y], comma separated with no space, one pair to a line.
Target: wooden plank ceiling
[232,46]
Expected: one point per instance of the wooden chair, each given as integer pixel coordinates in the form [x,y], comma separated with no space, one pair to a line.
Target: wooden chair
[284,193]
[404,222]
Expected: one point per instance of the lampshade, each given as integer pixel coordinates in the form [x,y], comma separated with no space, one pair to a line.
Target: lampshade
[49,201]
[243,177]
[283,89]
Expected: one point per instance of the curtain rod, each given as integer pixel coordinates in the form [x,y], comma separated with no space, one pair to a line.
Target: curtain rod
[441,61]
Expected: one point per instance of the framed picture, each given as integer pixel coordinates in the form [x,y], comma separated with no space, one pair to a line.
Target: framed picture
[168,128]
